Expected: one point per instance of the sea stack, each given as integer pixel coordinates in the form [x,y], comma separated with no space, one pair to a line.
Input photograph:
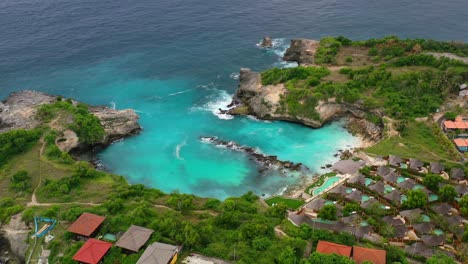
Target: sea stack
[267,42]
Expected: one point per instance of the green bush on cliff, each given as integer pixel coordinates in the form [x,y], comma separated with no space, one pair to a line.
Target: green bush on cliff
[326,52]
[276,76]
[15,142]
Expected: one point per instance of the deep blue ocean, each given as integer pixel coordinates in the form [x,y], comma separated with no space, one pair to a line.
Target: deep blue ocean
[176,62]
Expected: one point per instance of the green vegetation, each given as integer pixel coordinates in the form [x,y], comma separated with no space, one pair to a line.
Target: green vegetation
[290,203]
[15,142]
[431,181]
[327,259]
[85,125]
[327,50]
[447,193]
[440,259]
[328,212]
[416,199]
[464,205]
[20,182]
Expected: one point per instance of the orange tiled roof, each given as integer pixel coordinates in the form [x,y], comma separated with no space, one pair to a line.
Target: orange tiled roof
[326,247]
[457,124]
[461,142]
[376,256]
[92,251]
[86,224]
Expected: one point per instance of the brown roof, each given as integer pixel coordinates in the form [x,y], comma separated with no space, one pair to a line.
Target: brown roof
[437,167]
[359,179]
[415,164]
[408,184]
[378,187]
[411,214]
[356,196]
[432,241]
[442,209]
[391,177]
[86,224]
[461,189]
[134,238]
[419,249]
[326,247]
[457,174]
[423,228]
[347,166]
[158,253]
[393,221]
[376,256]
[394,160]
[384,170]
[395,196]
[316,204]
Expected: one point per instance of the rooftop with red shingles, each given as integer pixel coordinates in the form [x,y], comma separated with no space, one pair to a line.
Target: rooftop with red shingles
[376,256]
[92,251]
[326,247]
[459,123]
[461,142]
[86,224]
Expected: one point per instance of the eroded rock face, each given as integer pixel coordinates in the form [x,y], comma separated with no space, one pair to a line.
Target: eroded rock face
[267,42]
[16,232]
[18,111]
[301,51]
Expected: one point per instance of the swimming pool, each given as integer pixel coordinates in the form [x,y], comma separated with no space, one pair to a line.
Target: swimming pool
[365,198]
[401,179]
[363,223]
[368,181]
[388,189]
[403,198]
[417,187]
[328,182]
[438,232]
[426,218]
[433,197]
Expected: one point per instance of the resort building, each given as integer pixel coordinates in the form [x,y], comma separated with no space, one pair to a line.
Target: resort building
[415,164]
[457,174]
[86,225]
[159,253]
[394,160]
[134,238]
[462,144]
[92,251]
[460,123]
[326,247]
[375,256]
[437,167]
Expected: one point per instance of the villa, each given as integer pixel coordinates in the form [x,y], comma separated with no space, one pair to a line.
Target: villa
[423,228]
[134,238]
[415,164]
[86,225]
[92,251]
[159,253]
[462,144]
[437,167]
[326,247]
[457,174]
[460,123]
[394,160]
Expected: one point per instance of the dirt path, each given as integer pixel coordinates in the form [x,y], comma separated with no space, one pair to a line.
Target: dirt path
[279,232]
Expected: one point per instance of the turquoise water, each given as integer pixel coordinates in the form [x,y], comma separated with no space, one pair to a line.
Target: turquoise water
[363,223]
[328,182]
[365,198]
[368,181]
[433,197]
[425,218]
[418,187]
[388,189]
[349,190]
[403,198]
[438,232]
[401,179]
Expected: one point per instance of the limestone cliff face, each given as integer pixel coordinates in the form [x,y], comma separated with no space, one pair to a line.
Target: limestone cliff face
[301,51]
[264,102]
[20,108]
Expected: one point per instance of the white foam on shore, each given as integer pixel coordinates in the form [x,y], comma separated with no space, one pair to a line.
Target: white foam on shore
[234,76]
[113,105]
[220,101]
[280,45]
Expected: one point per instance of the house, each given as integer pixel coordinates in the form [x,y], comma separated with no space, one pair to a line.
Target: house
[355,196]
[358,179]
[348,166]
[159,253]
[315,205]
[375,256]
[415,164]
[419,249]
[378,187]
[459,124]
[299,218]
[462,144]
[393,221]
[391,178]
[457,174]
[384,170]
[437,167]
[454,220]
[394,160]
[442,209]
[423,228]
[408,184]
[394,196]
[461,190]
[340,190]
[360,231]
[411,215]
[326,247]
[134,238]
[432,241]
[351,220]
[400,231]
[86,225]
[92,251]
[367,204]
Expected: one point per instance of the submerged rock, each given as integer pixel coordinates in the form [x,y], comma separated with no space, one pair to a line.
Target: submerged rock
[266,162]
[301,51]
[267,42]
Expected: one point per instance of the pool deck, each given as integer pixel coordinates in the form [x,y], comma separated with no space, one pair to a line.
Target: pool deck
[343,178]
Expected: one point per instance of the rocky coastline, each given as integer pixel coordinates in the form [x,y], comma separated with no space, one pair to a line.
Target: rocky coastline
[18,111]
[264,101]
[265,162]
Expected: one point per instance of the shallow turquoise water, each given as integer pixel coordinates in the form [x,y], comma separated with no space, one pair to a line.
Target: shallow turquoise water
[328,182]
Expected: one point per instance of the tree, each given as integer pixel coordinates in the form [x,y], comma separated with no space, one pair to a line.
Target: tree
[464,205]
[328,212]
[431,181]
[20,181]
[450,115]
[416,199]
[328,259]
[447,193]
[351,207]
[287,256]
[440,259]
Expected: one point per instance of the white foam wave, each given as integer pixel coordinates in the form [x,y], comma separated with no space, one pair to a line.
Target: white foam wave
[219,101]
[178,148]
[181,92]
[280,45]
[113,105]
[234,76]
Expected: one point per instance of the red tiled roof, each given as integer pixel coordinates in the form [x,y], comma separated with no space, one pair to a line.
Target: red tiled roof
[326,247]
[449,124]
[457,124]
[86,224]
[461,142]
[92,251]
[376,256]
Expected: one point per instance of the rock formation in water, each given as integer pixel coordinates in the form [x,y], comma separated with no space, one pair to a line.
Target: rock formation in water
[301,51]
[267,42]
[19,110]
[264,101]
[266,162]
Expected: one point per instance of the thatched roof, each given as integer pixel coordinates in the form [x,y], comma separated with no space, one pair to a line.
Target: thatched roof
[395,196]
[437,167]
[454,220]
[134,238]
[316,204]
[461,189]
[378,187]
[299,218]
[367,204]
[442,209]
[432,241]
[423,228]
[419,249]
[358,179]
[391,177]
[348,166]
[351,220]
[393,221]
[384,170]
[407,184]
[457,174]
[415,164]
[340,189]
[411,214]
[394,160]
[355,196]
[158,253]
[400,231]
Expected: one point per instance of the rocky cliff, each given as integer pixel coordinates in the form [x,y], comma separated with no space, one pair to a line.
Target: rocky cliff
[301,51]
[20,108]
[264,101]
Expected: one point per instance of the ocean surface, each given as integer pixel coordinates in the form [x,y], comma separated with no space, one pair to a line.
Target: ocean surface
[176,62]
